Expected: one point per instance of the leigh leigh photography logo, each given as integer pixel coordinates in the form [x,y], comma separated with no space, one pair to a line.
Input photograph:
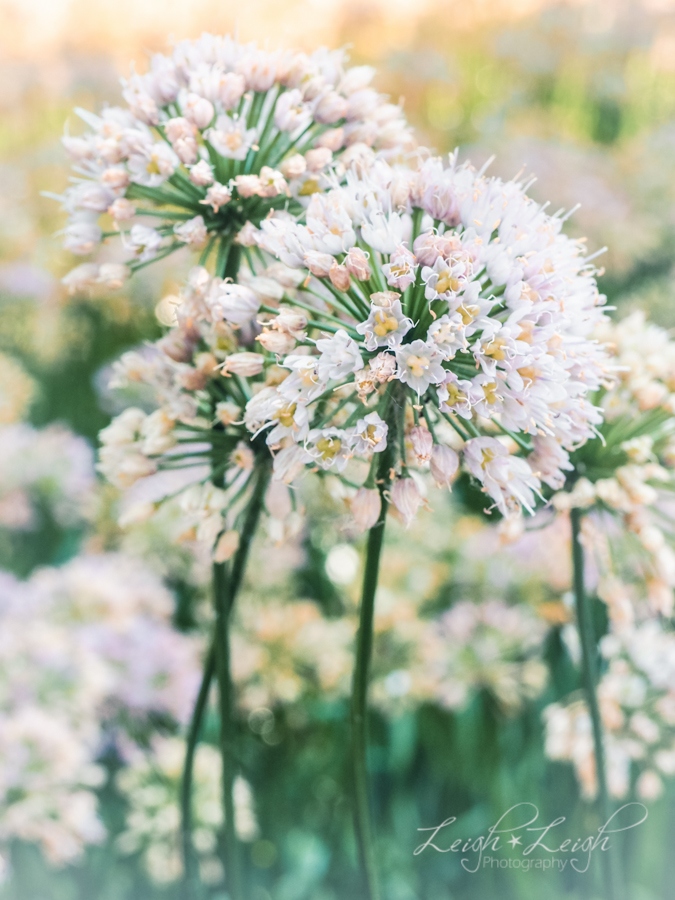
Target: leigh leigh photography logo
[518,841]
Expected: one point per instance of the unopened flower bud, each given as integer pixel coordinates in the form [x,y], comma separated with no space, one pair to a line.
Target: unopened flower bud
[339,277]
[406,497]
[333,139]
[357,264]
[227,546]
[192,232]
[193,379]
[366,506]
[293,167]
[113,275]
[81,277]
[318,158]
[235,303]
[201,174]
[248,185]
[248,236]
[216,196]
[244,363]
[232,87]
[331,108]
[319,264]
[444,465]
[199,111]
[422,442]
[122,209]
[115,177]
[278,342]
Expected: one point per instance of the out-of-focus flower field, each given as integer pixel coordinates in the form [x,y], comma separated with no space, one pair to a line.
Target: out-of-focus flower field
[475,686]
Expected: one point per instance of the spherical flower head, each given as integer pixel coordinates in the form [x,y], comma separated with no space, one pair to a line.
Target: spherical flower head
[214,120]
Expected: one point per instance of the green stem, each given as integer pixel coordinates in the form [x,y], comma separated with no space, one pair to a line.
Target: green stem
[589,669]
[190,882]
[225,590]
[364,644]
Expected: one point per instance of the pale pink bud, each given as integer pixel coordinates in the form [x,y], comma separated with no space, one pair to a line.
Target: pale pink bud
[366,506]
[232,87]
[201,174]
[192,232]
[331,108]
[113,275]
[122,209]
[178,129]
[339,277]
[216,196]
[319,264]
[422,442]
[81,277]
[318,158]
[293,167]
[333,139]
[272,182]
[176,345]
[278,342]
[357,264]
[245,363]
[199,111]
[186,150]
[444,464]
[406,498]
[248,185]
[278,500]
[115,177]
[227,546]
[291,321]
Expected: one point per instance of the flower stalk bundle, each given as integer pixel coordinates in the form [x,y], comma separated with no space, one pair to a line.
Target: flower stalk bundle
[357,309]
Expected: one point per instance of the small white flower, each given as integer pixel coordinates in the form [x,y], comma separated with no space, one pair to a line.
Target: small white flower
[419,365]
[230,137]
[401,270]
[144,241]
[201,174]
[370,435]
[507,479]
[191,232]
[386,325]
[235,303]
[339,356]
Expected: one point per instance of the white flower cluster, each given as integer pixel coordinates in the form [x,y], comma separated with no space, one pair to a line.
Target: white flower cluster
[637,706]
[627,481]
[151,786]
[216,135]
[84,649]
[464,291]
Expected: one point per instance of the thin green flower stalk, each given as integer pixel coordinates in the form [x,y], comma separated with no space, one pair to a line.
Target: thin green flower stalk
[589,664]
[438,292]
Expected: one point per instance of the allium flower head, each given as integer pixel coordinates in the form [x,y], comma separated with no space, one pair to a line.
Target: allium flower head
[214,137]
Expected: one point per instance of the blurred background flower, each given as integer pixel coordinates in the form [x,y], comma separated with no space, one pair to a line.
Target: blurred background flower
[102,631]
